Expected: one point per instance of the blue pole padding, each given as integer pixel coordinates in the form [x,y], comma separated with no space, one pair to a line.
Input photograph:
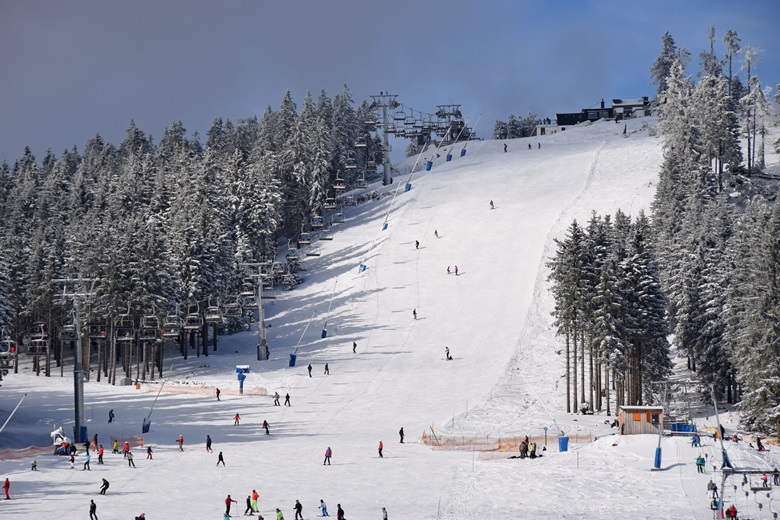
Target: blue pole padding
[462,152]
[324,333]
[449,157]
[408,187]
[428,166]
[362,268]
[657,461]
[384,226]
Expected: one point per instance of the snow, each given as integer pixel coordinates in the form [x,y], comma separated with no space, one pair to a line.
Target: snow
[505,379]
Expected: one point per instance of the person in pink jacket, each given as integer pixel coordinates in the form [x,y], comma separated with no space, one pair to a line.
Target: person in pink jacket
[328,453]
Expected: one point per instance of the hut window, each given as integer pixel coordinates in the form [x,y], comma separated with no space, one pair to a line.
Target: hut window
[654,418]
[636,417]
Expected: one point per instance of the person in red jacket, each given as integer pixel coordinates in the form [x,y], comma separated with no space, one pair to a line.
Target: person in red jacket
[228,500]
[380,448]
[100,454]
[180,442]
[6,487]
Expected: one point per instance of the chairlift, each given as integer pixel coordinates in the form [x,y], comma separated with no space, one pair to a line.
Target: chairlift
[38,347]
[350,164]
[233,306]
[340,184]
[292,254]
[7,349]
[361,183]
[317,222]
[172,326]
[360,143]
[247,289]
[213,314]
[39,330]
[125,327]
[338,217]
[313,251]
[149,329]
[330,203]
[390,128]
[278,268]
[304,239]
[399,115]
[326,235]
[193,322]
[370,166]
[97,330]
[370,120]
[410,121]
[68,333]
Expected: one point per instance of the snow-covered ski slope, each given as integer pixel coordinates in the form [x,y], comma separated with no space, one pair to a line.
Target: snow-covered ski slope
[504,380]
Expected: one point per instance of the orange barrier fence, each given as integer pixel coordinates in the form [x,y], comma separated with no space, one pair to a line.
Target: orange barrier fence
[29,452]
[136,441]
[488,443]
[198,389]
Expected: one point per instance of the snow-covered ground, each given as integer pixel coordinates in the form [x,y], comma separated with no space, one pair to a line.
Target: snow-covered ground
[505,379]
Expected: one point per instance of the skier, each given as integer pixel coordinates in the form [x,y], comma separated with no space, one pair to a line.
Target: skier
[236,420]
[328,453]
[180,442]
[764,481]
[72,461]
[491,205]
[116,447]
[149,452]
[125,449]
[529,146]
[401,434]
[327,370]
[384,511]
[220,459]
[380,449]
[298,510]
[354,346]
[100,454]
[248,509]
[436,233]
[414,314]
[287,399]
[228,500]
[504,152]
[255,496]
[7,486]
[34,466]
[130,459]
[276,398]
[86,463]
[339,513]
[447,353]
[323,508]
[309,369]
[456,270]
[104,487]
[733,511]
[538,145]
[110,416]
[417,244]
[92,510]
[265,425]
[208,444]
[218,392]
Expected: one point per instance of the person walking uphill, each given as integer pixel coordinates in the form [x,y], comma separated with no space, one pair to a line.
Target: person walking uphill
[401,433]
[298,510]
[328,453]
[208,444]
[287,400]
[228,501]
[248,509]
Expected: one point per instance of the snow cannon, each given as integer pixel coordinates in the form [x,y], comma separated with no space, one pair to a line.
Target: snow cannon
[58,436]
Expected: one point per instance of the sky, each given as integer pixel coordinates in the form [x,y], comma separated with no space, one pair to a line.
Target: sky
[70,70]
[504,381]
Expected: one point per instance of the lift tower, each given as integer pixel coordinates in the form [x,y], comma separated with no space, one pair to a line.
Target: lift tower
[384,101]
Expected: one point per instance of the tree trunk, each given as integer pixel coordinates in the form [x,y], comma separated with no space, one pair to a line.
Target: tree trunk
[582,367]
[574,370]
[568,376]
[590,377]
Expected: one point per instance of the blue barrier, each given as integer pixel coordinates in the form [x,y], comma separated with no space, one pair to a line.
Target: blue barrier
[428,166]
[292,359]
[563,444]
[324,333]
[449,157]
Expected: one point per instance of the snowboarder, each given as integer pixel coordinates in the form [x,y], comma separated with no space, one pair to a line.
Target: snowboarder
[309,367]
[339,513]
[504,152]
[180,442]
[208,444]
[447,353]
[491,205]
[759,446]
[380,449]
[276,399]
[328,453]
[92,510]
[228,500]
[149,452]
[100,454]
[354,346]
[104,487]
[327,370]
[236,420]
[248,509]
[110,416]
[7,486]
[417,244]
[456,270]
[218,392]
[255,496]
[401,434]
[436,233]
[265,425]
[287,399]
[384,511]
[130,459]
[279,515]
[298,510]
[414,314]
[34,466]
[86,463]
[220,459]
[323,508]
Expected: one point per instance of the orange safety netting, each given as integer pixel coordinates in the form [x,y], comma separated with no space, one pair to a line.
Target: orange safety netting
[488,443]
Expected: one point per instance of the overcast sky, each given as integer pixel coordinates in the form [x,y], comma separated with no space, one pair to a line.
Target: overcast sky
[72,69]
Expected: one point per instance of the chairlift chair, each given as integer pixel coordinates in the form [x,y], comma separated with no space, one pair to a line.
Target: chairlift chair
[304,239]
[350,164]
[233,306]
[68,333]
[125,327]
[360,143]
[38,347]
[339,184]
[97,330]
[193,322]
[7,349]
[399,115]
[247,289]
[330,203]
[39,330]
[326,234]
[313,251]
[149,330]
[292,254]
[172,326]
[268,283]
[213,314]
[278,268]
[370,166]
[317,222]
[338,217]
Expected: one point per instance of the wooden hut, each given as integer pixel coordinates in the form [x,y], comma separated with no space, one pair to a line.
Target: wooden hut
[641,419]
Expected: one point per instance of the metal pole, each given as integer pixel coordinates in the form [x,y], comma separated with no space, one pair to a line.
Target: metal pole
[262,342]
[388,179]
[78,377]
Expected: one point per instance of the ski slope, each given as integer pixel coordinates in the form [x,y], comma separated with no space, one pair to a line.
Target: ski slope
[504,380]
